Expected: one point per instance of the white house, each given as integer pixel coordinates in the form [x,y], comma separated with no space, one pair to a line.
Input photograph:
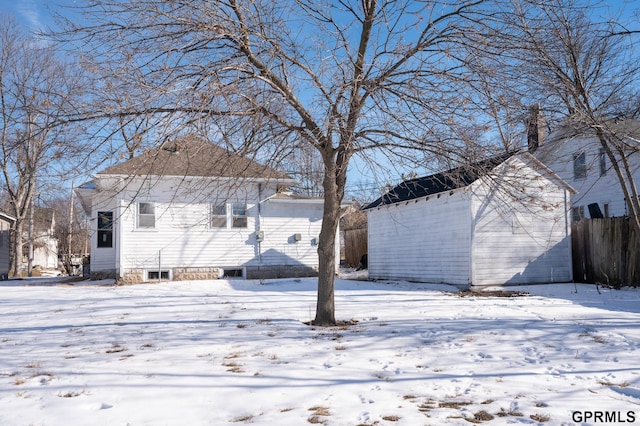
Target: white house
[5,244]
[578,158]
[502,221]
[192,210]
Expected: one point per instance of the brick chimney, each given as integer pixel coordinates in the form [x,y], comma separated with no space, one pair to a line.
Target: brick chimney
[536,128]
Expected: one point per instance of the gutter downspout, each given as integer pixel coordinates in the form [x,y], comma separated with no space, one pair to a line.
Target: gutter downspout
[118,243]
[258,226]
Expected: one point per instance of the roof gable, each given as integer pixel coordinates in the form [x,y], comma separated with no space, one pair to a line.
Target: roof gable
[458,177]
[461,177]
[192,156]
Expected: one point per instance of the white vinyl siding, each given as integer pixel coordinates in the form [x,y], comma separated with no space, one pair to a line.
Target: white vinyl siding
[477,235]
[426,241]
[525,244]
[184,237]
[558,154]
[280,222]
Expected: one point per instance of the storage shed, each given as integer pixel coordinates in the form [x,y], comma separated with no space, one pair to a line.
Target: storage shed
[504,220]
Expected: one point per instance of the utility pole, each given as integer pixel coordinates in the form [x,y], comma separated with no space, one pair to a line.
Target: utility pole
[69,235]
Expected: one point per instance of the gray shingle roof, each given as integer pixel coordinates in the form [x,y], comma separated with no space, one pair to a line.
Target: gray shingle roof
[451,179]
[193,156]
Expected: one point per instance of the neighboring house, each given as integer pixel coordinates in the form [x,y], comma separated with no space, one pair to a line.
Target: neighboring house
[502,221]
[192,210]
[578,158]
[45,244]
[5,244]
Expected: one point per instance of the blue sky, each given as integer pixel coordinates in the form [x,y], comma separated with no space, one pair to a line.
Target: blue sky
[35,15]
[31,13]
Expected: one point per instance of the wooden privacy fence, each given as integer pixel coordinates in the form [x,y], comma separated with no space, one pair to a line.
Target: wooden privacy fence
[606,251]
[355,245]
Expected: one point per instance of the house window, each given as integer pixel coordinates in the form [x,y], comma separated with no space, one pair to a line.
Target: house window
[157,275]
[239,213]
[218,216]
[579,166]
[146,215]
[105,229]
[577,213]
[603,162]
[233,273]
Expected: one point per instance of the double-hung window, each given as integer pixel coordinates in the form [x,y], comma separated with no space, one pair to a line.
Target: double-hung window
[579,165]
[232,215]
[239,215]
[218,216]
[146,215]
[105,229]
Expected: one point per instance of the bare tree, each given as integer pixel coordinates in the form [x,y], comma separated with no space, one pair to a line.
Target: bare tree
[35,91]
[581,68]
[374,78]
[71,226]
[304,163]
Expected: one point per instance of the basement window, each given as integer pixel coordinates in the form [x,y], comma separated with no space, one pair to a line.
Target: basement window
[157,275]
[233,273]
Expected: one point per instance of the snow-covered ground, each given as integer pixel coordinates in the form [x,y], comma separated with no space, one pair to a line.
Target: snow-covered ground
[219,352]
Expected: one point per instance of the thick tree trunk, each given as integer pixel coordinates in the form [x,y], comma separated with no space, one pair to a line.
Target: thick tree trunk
[325,307]
[16,250]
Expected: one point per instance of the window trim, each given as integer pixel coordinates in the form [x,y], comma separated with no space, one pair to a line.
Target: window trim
[105,228]
[235,215]
[241,218]
[213,215]
[140,214]
[603,162]
[579,165]
[163,275]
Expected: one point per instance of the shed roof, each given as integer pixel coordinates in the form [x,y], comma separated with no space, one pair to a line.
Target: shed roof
[458,177]
[191,155]
[6,216]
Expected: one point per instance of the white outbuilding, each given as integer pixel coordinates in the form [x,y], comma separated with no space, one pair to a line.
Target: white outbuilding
[505,220]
